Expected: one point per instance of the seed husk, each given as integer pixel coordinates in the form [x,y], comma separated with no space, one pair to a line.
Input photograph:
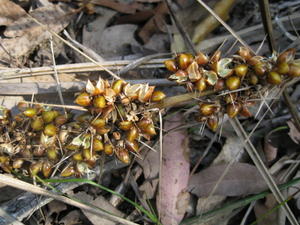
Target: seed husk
[233,83]
[50,130]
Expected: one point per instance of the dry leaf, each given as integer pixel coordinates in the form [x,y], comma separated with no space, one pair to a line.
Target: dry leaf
[102,203]
[174,172]
[294,133]
[120,7]
[270,151]
[148,189]
[23,35]
[9,12]
[71,218]
[262,211]
[241,179]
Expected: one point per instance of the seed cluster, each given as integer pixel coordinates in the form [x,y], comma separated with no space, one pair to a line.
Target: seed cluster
[238,75]
[44,140]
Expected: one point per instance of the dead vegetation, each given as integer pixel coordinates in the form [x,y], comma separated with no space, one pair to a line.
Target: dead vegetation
[220,148]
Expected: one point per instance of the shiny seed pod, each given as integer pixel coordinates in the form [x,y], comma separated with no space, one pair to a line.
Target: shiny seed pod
[150,130]
[220,85]
[47,169]
[125,125]
[4,159]
[132,134]
[50,130]
[52,153]
[180,76]
[232,110]
[260,69]
[286,56]
[184,60]
[30,112]
[72,147]
[283,68]
[144,123]
[97,145]
[35,168]
[157,96]
[37,124]
[108,149]
[274,78]
[253,79]
[77,156]
[294,70]
[241,70]
[99,102]
[201,59]
[231,97]
[68,171]
[132,146]
[18,163]
[62,119]
[49,116]
[87,154]
[103,130]
[98,123]
[207,109]
[213,123]
[200,85]
[233,83]
[83,99]
[123,155]
[245,53]
[117,86]
[171,65]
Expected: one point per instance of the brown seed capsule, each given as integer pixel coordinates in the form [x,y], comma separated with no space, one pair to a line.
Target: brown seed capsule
[117,86]
[83,118]
[68,171]
[35,168]
[213,123]
[47,169]
[99,102]
[37,124]
[253,79]
[294,69]
[220,85]
[52,153]
[62,119]
[244,53]
[230,98]
[72,147]
[103,130]
[180,76]
[260,69]
[4,159]
[50,130]
[233,83]
[215,57]
[201,59]
[150,130]
[157,96]
[108,149]
[241,70]
[171,65]
[97,145]
[22,106]
[207,109]
[78,156]
[184,60]
[132,134]
[132,146]
[286,56]
[274,78]
[245,112]
[123,155]
[233,109]
[87,154]
[49,116]
[200,85]
[283,68]
[30,112]
[17,163]
[125,125]
[83,99]
[98,123]
[144,123]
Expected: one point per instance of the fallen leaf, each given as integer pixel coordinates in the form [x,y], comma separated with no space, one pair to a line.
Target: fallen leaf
[120,7]
[262,211]
[9,12]
[102,203]
[148,189]
[270,151]
[174,172]
[71,218]
[241,179]
[294,132]
[24,34]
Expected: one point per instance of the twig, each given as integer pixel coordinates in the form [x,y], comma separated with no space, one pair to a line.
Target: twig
[292,108]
